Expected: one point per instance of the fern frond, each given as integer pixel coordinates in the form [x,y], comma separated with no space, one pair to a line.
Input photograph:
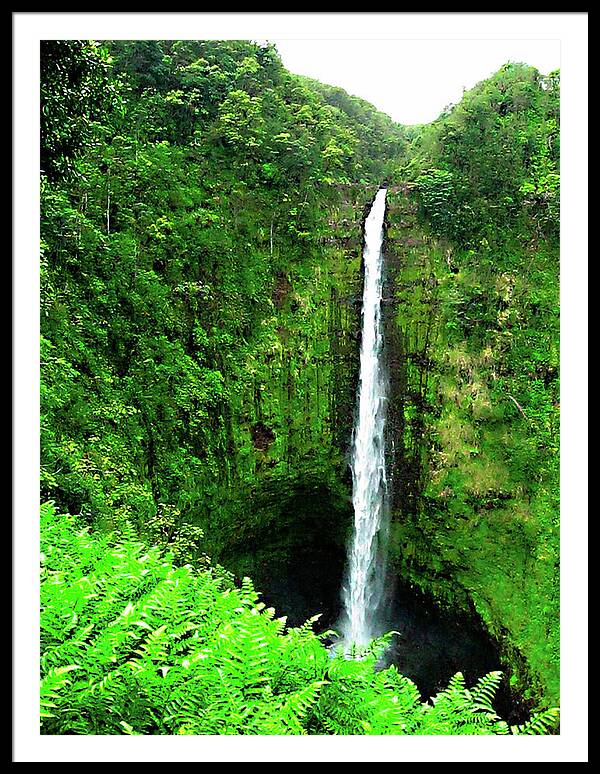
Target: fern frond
[540,723]
[485,689]
[51,687]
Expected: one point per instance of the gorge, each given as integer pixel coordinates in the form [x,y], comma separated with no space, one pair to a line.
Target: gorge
[225,248]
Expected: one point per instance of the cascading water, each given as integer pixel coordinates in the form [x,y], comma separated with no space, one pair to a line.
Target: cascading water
[364,591]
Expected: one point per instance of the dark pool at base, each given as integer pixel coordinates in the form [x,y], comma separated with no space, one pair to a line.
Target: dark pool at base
[432,646]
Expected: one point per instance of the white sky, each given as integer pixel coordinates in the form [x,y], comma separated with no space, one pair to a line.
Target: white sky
[411,80]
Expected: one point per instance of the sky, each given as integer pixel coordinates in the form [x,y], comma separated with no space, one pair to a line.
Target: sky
[411,80]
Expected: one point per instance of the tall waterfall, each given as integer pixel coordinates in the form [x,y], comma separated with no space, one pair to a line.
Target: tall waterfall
[365,585]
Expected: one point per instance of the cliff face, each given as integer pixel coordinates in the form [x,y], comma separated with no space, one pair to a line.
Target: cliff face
[209,380]
[473,415]
[283,518]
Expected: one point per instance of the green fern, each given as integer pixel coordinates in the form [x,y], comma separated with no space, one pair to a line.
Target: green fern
[131,644]
[51,686]
[540,723]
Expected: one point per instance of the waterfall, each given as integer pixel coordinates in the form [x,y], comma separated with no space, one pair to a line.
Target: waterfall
[364,591]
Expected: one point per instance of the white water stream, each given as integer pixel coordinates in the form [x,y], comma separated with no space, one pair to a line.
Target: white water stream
[364,591]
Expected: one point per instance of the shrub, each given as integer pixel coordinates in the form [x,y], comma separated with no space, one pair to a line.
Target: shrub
[132,644]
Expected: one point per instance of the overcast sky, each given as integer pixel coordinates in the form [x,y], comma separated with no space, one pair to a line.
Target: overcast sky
[411,80]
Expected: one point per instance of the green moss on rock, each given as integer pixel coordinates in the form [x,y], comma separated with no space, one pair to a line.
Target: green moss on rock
[474,424]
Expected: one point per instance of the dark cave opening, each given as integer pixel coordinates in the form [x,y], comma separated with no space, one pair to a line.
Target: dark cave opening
[298,565]
[433,643]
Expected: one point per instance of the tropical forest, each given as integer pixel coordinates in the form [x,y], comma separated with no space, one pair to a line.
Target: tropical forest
[299,400]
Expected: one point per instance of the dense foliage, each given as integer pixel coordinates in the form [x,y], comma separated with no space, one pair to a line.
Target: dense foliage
[492,161]
[190,277]
[477,285]
[76,93]
[132,644]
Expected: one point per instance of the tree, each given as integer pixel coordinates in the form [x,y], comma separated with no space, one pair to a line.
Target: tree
[76,90]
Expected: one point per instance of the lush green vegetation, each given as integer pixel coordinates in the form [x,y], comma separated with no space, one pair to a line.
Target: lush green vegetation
[194,285]
[132,644]
[201,215]
[490,164]
[474,243]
